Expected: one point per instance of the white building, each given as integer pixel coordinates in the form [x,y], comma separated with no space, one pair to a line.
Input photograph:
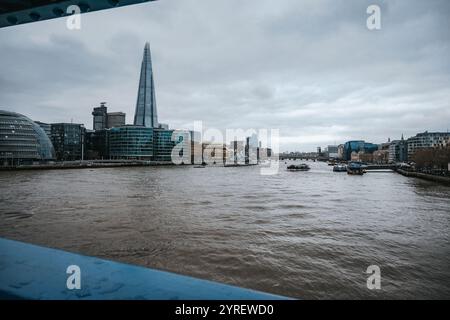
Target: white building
[427,140]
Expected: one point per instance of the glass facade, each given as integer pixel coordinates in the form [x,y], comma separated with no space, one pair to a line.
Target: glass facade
[22,140]
[145,113]
[97,144]
[163,145]
[100,117]
[142,143]
[131,142]
[357,146]
[46,127]
[68,139]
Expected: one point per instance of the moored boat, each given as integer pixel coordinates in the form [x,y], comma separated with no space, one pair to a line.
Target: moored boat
[356,168]
[340,168]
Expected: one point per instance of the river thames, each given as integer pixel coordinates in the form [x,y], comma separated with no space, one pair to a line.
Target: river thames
[300,234]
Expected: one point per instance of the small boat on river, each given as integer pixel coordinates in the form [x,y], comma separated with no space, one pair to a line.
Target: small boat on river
[340,168]
[356,168]
[299,167]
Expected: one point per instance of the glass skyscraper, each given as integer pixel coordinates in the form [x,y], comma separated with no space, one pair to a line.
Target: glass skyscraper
[145,113]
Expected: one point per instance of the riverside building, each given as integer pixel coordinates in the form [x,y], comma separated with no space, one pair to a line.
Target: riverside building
[22,141]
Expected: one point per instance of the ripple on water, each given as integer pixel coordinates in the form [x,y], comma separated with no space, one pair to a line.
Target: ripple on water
[256,208]
[14,215]
[306,236]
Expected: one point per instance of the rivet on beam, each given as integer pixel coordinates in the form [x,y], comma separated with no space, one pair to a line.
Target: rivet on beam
[113,3]
[58,12]
[84,7]
[35,16]
[12,19]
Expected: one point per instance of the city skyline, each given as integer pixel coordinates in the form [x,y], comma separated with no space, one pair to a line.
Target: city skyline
[277,72]
[198,153]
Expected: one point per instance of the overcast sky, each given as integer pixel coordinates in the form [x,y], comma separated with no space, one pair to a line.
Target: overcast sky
[308,67]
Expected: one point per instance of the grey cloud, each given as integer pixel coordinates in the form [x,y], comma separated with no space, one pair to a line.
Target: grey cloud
[310,68]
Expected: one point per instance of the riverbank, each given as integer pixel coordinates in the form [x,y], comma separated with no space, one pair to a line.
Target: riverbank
[98,164]
[424,176]
[86,164]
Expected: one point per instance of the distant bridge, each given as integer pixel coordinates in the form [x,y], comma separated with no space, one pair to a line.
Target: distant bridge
[284,157]
[304,157]
[381,167]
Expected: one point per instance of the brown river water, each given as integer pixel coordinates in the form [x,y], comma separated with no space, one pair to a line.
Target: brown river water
[300,234]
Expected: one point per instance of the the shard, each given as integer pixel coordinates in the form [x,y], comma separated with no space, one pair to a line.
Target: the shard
[145,114]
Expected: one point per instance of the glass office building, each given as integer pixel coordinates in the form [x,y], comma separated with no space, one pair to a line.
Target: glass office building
[163,145]
[100,117]
[22,141]
[97,144]
[68,141]
[131,142]
[357,146]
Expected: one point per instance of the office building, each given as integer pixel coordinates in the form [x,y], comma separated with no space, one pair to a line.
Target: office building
[381,156]
[22,141]
[97,144]
[68,141]
[332,151]
[398,151]
[100,117]
[115,119]
[163,144]
[358,146]
[214,153]
[426,140]
[131,142]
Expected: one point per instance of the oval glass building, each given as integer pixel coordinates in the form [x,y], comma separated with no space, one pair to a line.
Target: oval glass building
[22,141]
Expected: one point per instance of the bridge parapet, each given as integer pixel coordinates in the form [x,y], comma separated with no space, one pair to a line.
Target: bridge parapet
[32,272]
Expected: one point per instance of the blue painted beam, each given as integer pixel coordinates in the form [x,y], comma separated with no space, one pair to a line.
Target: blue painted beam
[32,272]
[29,12]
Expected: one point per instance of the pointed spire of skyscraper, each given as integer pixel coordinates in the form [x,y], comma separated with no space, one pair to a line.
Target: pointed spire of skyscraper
[145,114]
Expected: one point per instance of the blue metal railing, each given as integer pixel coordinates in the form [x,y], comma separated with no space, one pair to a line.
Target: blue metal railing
[32,272]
